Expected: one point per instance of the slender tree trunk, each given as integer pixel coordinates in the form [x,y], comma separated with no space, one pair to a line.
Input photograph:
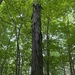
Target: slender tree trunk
[17,33]
[69,49]
[64,70]
[70,60]
[18,51]
[47,62]
[22,64]
[37,58]
[18,59]
[73,68]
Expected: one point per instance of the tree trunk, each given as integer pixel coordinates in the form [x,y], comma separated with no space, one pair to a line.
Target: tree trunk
[73,68]
[69,49]
[64,70]
[18,51]
[37,58]
[18,59]
[70,60]
[48,54]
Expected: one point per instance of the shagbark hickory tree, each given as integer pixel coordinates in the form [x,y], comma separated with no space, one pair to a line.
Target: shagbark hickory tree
[37,59]
[58,44]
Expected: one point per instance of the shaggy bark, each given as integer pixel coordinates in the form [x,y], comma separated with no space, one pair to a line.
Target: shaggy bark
[37,59]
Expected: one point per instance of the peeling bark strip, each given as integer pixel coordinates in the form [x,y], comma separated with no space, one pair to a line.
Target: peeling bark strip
[37,59]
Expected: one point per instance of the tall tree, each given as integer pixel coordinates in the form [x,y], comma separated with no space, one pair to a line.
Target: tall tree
[37,58]
[69,49]
[47,48]
[18,51]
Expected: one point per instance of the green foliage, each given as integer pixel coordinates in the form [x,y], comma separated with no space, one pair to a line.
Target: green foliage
[14,13]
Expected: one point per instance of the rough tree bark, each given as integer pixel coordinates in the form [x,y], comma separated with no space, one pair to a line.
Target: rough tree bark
[37,58]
